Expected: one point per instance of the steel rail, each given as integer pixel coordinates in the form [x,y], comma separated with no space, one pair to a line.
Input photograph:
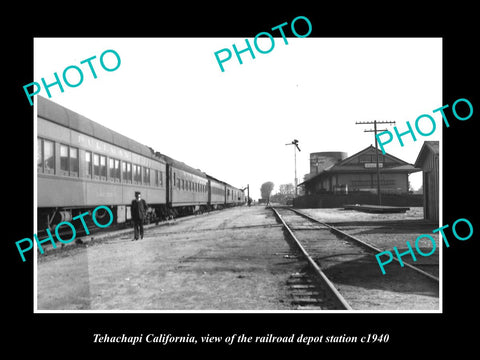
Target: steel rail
[364,244]
[314,265]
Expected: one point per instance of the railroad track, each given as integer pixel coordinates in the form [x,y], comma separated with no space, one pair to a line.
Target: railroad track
[348,271]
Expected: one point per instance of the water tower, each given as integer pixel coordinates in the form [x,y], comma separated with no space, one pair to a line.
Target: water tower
[322,160]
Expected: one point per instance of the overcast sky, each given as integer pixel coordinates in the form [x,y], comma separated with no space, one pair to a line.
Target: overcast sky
[170,94]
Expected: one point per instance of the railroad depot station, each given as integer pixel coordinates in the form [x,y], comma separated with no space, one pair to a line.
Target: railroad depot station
[335,179]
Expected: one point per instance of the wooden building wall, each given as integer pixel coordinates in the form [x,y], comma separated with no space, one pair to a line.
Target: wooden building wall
[431,186]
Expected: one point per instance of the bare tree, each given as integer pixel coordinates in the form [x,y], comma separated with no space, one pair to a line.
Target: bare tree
[285,194]
[286,189]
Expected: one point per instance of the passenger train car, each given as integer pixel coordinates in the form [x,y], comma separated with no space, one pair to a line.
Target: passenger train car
[82,164]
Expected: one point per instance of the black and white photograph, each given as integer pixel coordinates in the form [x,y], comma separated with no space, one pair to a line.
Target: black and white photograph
[223,210]
[244,183]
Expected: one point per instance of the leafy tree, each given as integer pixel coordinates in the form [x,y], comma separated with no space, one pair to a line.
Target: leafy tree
[266,190]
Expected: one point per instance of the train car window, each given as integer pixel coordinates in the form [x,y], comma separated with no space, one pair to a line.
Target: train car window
[137,174]
[96,165]
[64,158]
[45,156]
[103,167]
[114,170]
[117,170]
[100,166]
[88,164]
[146,175]
[73,161]
[68,160]
[111,169]
[158,178]
[127,172]
[48,156]
[39,154]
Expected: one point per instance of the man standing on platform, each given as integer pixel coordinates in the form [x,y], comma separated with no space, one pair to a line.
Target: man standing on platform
[139,210]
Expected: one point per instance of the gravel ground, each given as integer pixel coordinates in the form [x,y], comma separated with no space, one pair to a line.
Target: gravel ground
[234,259]
[356,274]
[386,231]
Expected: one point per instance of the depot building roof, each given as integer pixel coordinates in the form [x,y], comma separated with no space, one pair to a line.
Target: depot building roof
[364,161]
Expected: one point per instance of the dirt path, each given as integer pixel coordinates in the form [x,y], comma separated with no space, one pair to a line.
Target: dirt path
[229,260]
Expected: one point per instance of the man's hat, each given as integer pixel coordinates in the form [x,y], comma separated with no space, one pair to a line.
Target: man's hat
[137,193]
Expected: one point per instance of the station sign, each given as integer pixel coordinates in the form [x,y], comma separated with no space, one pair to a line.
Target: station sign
[373,165]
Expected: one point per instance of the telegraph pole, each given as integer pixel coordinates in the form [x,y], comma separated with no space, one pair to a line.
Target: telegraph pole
[375,122]
[295,142]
